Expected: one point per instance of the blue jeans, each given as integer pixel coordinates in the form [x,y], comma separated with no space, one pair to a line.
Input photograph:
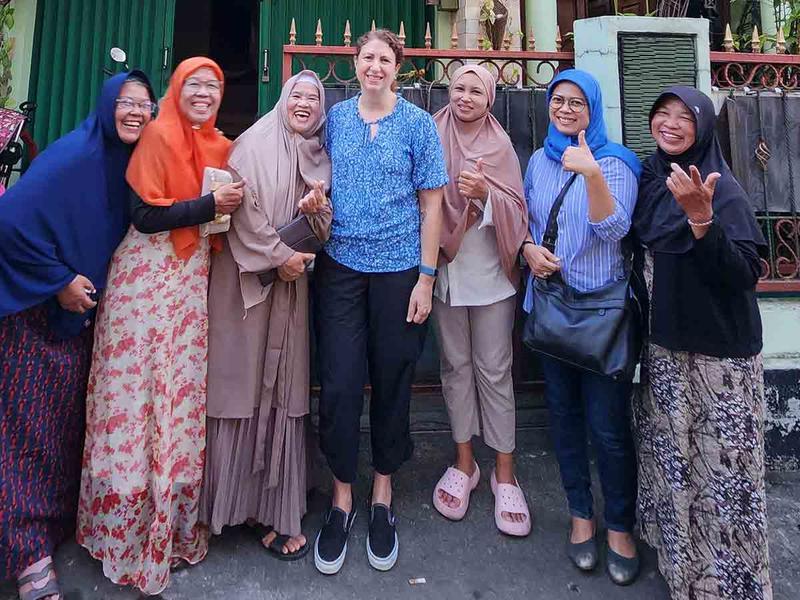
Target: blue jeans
[574,397]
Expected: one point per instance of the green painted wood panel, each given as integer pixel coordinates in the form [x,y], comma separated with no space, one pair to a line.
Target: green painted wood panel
[72,41]
[650,63]
[276,18]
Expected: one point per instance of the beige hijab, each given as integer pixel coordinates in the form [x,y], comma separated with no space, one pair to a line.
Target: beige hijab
[464,143]
[277,164]
[262,361]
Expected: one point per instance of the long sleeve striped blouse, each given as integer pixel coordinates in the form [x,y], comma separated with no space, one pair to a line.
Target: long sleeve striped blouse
[590,253]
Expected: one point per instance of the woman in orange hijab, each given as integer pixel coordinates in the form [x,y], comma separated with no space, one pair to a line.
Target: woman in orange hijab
[145,405]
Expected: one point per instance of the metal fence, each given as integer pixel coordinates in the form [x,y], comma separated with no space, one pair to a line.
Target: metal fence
[762,144]
[759,127]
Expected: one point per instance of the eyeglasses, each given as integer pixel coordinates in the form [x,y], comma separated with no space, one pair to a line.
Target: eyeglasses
[575,104]
[128,105]
[194,86]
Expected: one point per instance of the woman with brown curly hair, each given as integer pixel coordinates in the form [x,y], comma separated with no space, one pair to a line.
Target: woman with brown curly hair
[374,287]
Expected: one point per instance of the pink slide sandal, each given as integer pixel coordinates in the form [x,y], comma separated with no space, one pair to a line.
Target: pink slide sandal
[459,485]
[509,498]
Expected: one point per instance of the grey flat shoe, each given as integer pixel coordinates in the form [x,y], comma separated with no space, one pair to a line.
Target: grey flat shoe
[584,554]
[622,570]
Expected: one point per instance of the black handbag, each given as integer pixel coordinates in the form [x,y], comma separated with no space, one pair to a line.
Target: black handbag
[300,237]
[599,330]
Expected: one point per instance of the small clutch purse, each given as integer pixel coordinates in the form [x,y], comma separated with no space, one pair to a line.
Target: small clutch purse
[212,180]
[300,237]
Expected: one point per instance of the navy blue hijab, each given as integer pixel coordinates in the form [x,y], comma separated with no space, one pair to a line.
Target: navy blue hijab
[596,135]
[659,221]
[67,214]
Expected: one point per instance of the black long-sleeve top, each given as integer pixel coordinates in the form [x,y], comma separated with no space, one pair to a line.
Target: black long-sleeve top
[155,219]
[704,301]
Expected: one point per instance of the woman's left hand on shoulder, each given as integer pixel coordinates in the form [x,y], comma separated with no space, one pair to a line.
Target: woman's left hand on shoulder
[692,193]
[472,184]
[579,159]
[421,301]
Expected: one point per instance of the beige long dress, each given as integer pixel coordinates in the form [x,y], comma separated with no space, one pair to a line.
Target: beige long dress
[258,375]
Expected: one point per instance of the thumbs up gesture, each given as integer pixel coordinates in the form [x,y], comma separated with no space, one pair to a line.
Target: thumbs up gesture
[472,184]
[314,200]
[579,159]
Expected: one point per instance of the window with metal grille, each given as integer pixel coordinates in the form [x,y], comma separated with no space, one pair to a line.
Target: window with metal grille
[648,64]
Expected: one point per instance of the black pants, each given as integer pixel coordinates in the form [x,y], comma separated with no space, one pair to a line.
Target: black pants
[360,318]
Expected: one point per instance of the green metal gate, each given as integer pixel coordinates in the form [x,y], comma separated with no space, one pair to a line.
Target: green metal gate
[277,15]
[71,49]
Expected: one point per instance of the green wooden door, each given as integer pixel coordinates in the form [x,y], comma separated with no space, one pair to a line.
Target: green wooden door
[71,49]
[277,15]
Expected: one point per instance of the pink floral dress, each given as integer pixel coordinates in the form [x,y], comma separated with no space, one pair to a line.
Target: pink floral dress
[145,429]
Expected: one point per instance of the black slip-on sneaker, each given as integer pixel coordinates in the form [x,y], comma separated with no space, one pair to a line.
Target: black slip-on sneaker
[382,544]
[330,547]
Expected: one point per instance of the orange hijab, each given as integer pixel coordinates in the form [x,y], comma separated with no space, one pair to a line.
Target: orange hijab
[167,164]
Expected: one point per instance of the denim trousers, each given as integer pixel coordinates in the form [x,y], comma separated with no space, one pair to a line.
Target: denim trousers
[577,398]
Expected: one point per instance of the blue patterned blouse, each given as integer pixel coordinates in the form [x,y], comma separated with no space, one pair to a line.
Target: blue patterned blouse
[376,225]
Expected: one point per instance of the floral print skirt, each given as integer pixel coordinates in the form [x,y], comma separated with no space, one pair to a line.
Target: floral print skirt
[145,430]
[699,422]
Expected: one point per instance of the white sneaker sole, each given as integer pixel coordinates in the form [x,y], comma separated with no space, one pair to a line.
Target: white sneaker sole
[383,564]
[325,567]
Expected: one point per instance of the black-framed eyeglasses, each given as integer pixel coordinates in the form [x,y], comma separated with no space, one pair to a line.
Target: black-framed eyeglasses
[575,104]
[128,105]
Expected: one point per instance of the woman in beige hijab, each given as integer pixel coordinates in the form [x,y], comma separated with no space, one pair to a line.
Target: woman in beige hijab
[484,225]
[258,374]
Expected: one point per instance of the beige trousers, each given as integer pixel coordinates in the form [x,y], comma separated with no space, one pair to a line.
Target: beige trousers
[476,353]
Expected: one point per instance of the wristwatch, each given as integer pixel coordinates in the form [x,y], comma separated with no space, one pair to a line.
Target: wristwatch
[426,270]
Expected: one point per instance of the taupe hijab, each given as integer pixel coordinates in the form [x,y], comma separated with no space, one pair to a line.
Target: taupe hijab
[464,143]
[276,162]
[262,361]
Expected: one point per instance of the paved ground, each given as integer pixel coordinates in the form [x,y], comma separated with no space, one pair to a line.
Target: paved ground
[460,561]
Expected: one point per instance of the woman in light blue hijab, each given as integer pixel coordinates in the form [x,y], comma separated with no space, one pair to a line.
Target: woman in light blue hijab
[595,216]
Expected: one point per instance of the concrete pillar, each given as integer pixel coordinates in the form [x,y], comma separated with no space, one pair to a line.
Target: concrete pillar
[768,25]
[21,39]
[542,17]
[597,51]
[467,24]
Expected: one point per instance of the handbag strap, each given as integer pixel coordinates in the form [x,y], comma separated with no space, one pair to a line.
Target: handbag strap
[551,231]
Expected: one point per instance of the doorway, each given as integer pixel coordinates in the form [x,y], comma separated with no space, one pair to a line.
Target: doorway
[227,31]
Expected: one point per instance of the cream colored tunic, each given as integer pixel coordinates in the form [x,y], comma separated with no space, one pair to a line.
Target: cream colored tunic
[475,277]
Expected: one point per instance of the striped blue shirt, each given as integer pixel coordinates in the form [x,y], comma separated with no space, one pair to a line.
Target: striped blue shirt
[590,253]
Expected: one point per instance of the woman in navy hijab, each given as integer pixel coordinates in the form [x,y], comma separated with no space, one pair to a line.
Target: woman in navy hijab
[595,216]
[59,226]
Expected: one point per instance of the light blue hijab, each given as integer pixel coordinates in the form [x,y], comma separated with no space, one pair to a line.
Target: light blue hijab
[596,135]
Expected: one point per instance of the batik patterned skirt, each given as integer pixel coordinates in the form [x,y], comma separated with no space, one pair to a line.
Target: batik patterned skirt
[42,390]
[699,423]
[145,417]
